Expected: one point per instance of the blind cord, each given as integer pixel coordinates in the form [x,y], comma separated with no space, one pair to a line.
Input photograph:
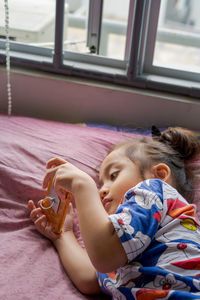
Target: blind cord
[8,57]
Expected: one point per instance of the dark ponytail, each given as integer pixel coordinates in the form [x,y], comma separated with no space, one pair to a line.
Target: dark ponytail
[183,141]
[186,145]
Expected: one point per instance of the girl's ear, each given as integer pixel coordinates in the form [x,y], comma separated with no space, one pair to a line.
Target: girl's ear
[162,171]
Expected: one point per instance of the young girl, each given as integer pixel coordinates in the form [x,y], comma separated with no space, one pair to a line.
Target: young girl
[142,237]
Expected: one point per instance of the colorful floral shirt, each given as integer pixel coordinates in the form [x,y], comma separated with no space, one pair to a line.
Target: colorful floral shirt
[160,234]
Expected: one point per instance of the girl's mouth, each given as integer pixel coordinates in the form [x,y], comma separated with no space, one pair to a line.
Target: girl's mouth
[106,203]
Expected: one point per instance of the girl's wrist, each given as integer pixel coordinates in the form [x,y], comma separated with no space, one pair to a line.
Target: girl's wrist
[62,237]
[82,183]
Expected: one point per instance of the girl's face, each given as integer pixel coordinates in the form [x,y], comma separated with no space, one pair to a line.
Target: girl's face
[117,175]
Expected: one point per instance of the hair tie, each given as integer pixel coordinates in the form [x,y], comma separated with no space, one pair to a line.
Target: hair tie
[155,132]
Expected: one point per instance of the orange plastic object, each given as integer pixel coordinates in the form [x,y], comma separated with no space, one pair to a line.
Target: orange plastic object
[56,219]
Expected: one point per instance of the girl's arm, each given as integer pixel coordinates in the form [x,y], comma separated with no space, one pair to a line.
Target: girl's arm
[73,257]
[77,264]
[102,243]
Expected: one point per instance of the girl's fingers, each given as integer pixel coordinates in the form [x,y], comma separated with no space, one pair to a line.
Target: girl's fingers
[57,161]
[31,205]
[52,166]
[41,222]
[49,176]
[45,228]
[36,213]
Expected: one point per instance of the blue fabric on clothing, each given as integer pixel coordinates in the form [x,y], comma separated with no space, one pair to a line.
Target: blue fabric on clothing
[160,234]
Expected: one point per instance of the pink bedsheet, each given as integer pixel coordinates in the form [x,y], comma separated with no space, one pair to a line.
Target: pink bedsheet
[30,267]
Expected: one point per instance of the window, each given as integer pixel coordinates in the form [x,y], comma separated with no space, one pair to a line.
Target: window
[175,49]
[152,44]
[178,32]
[103,32]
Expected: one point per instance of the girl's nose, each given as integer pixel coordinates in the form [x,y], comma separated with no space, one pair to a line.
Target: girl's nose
[103,192]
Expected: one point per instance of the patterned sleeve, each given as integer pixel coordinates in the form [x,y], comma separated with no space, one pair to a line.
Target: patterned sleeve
[137,220]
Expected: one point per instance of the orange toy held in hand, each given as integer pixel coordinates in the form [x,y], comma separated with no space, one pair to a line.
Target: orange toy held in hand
[54,208]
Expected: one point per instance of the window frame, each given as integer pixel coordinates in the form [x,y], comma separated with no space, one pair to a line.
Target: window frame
[148,66]
[135,70]
[141,71]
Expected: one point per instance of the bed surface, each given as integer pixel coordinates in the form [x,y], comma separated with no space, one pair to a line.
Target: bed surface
[30,266]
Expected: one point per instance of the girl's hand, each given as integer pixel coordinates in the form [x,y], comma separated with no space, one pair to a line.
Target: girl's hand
[42,224]
[64,175]
[40,221]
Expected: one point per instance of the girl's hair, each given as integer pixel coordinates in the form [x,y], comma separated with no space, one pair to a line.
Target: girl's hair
[175,147]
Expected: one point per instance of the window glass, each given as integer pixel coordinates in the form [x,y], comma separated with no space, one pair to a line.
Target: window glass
[113,30]
[76,26]
[114,27]
[178,35]
[30,22]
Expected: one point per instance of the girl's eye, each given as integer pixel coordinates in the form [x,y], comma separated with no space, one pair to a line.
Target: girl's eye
[113,175]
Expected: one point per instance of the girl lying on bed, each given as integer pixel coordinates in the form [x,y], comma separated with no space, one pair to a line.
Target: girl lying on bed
[142,237]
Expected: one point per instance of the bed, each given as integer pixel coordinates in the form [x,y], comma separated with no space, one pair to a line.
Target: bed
[30,266]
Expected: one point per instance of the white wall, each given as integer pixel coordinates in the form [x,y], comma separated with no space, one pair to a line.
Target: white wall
[70,100]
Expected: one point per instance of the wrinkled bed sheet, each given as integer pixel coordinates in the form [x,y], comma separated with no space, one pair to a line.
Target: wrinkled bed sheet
[30,267]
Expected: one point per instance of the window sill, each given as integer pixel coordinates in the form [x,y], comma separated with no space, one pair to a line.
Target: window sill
[69,99]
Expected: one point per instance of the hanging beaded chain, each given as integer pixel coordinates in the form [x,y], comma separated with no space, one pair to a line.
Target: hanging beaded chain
[8,57]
